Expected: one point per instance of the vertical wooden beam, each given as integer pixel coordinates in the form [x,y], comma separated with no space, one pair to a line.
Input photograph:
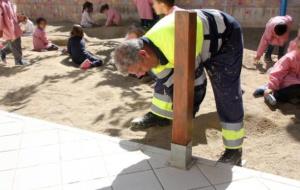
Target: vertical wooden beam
[184,76]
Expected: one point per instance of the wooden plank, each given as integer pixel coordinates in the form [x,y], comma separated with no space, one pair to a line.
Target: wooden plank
[184,76]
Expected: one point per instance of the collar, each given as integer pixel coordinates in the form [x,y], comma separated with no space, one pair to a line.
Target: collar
[161,57]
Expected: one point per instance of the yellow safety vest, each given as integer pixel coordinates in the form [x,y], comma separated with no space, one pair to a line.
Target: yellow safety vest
[162,36]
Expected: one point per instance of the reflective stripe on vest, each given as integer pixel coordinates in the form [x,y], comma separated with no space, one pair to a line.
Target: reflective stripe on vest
[162,105]
[213,27]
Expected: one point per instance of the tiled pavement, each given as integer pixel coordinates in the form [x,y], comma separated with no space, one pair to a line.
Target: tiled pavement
[38,155]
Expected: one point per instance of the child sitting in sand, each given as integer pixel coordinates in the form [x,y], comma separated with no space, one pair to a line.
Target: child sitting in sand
[113,17]
[26,25]
[284,79]
[134,32]
[76,48]
[40,40]
[86,18]
[276,34]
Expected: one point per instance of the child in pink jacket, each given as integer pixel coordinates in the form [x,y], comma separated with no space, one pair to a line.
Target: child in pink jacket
[284,79]
[145,11]
[276,34]
[11,32]
[113,17]
[40,39]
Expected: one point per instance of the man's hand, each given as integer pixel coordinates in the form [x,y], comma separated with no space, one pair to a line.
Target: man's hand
[256,60]
[268,91]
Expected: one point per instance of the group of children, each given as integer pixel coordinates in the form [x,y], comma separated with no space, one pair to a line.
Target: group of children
[14,26]
[113,17]
[284,77]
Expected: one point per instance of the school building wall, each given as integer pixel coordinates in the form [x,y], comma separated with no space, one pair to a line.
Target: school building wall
[250,13]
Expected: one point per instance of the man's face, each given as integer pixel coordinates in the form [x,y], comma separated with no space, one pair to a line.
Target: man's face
[158,7]
[148,61]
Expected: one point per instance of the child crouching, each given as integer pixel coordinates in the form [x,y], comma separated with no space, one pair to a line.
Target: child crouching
[284,79]
[76,48]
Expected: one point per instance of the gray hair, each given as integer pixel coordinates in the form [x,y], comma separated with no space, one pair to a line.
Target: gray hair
[126,54]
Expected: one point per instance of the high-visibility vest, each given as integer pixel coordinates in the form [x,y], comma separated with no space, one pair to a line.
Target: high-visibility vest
[162,35]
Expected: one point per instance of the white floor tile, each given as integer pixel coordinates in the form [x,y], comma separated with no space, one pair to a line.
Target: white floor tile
[80,149]
[35,139]
[11,142]
[11,128]
[50,188]
[109,147]
[156,150]
[34,125]
[278,186]
[83,169]
[157,160]
[37,177]
[126,163]
[98,184]
[280,179]
[175,179]
[137,181]
[225,173]
[206,188]
[8,160]
[4,118]
[249,184]
[6,179]
[98,162]
[39,155]
[207,162]
[68,135]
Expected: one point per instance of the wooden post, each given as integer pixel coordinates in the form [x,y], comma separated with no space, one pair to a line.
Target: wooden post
[184,76]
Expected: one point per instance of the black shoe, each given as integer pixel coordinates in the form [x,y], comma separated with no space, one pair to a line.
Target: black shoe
[149,120]
[232,156]
[21,62]
[3,57]
[269,61]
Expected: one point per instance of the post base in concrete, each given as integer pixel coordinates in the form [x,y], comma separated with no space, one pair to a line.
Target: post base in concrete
[181,156]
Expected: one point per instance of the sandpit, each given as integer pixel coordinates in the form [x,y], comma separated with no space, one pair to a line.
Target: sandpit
[102,100]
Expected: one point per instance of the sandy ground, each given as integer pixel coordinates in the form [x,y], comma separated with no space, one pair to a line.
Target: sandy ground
[103,101]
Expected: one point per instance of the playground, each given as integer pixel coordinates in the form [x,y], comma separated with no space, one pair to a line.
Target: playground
[103,101]
[104,95]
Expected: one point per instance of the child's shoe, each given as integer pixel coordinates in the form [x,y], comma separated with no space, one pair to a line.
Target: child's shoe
[86,64]
[259,92]
[270,100]
[268,60]
[22,62]
[3,57]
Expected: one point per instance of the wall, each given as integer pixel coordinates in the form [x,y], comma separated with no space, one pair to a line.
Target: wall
[251,13]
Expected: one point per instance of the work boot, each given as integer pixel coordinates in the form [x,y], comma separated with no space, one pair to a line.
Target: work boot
[149,120]
[232,156]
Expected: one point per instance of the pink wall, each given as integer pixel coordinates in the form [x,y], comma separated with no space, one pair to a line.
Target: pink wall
[251,13]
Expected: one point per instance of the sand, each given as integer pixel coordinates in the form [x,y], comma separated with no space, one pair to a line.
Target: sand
[102,100]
